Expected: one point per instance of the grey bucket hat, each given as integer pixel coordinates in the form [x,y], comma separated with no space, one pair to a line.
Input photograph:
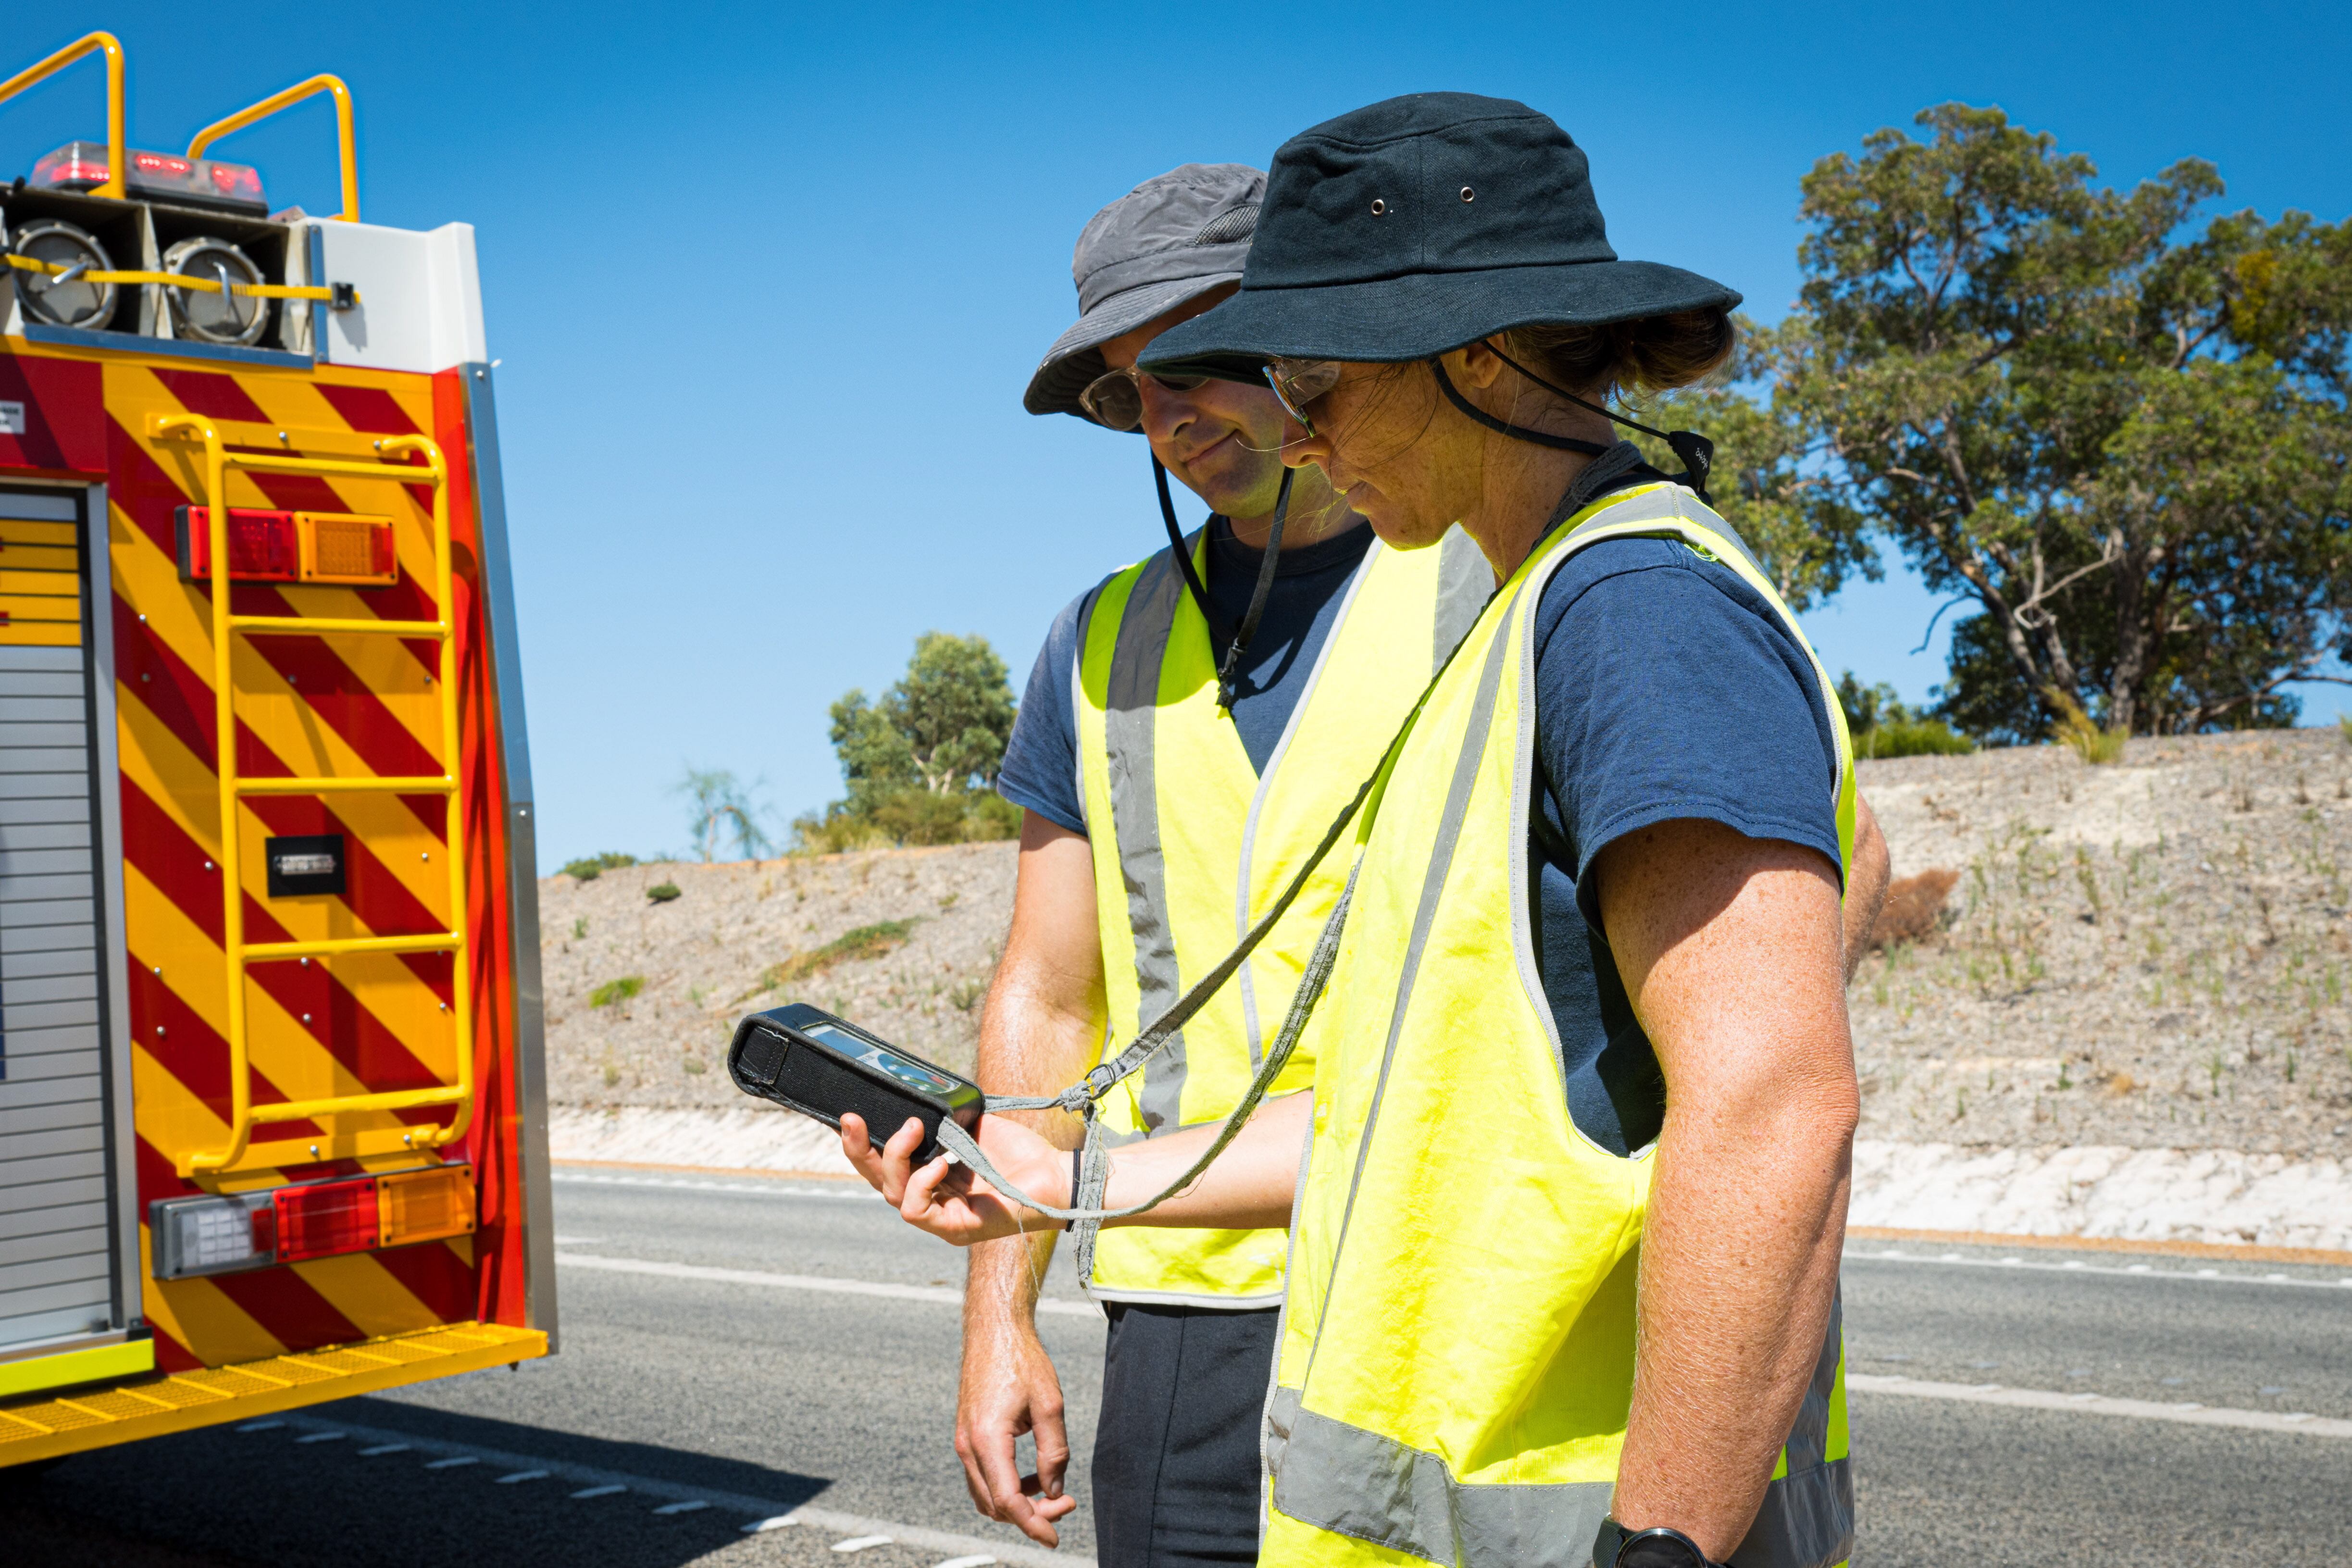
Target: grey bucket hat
[1168,240]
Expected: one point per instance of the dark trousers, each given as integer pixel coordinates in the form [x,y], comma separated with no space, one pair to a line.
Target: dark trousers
[1176,1450]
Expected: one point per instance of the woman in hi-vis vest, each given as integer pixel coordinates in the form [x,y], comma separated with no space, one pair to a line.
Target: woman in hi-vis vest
[1567,1198]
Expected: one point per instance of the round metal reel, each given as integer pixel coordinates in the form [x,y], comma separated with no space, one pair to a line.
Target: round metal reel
[222,318]
[62,300]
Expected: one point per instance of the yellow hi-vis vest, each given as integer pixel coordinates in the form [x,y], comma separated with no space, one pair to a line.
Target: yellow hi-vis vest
[1456,1357]
[1192,845]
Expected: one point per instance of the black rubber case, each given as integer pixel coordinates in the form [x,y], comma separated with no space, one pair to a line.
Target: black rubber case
[775,1056]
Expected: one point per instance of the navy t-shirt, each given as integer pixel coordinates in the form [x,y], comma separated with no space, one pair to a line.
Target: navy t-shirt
[1665,687]
[1041,760]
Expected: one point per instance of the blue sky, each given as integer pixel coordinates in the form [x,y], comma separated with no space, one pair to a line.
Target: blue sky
[767,281]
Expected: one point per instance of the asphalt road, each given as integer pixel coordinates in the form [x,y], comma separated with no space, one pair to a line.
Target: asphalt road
[736,1351]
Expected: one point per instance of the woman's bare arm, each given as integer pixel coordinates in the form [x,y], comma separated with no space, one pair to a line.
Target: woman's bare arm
[1249,1187]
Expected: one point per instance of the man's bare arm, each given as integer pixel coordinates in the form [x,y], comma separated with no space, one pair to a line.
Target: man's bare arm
[1865,884]
[1038,1033]
[1730,949]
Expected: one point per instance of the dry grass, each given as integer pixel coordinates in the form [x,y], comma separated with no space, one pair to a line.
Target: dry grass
[2076,732]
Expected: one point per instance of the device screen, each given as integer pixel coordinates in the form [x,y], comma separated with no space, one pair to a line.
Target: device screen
[914,1074]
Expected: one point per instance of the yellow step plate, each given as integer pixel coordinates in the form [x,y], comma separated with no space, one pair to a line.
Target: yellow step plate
[124,1412]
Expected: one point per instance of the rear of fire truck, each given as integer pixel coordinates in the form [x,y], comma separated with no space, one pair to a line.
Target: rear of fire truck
[272,1118]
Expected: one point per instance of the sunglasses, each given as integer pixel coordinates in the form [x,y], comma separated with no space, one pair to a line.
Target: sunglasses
[1116,398]
[1299,382]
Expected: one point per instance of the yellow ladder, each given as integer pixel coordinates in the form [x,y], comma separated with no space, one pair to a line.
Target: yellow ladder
[242,1153]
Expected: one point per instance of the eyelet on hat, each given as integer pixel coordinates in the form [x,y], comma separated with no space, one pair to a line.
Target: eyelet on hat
[1378,206]
[1468,194]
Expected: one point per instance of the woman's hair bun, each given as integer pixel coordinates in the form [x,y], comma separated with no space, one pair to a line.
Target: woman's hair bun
[1652,353]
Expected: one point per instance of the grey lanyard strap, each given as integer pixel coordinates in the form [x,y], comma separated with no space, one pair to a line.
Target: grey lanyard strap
[1086,1214]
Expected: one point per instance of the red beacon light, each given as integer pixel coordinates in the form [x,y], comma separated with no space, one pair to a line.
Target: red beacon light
[156,178]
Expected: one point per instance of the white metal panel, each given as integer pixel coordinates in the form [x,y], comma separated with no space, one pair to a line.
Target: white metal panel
[420,297]
[59,1249]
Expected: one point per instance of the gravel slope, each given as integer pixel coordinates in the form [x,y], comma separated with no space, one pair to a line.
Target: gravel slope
[2151,955]
[701,956]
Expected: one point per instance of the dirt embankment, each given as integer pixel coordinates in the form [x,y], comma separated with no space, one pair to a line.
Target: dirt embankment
[903,941]
[2152,954]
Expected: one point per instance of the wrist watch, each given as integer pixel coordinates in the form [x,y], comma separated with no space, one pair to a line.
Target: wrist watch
[1618,1547]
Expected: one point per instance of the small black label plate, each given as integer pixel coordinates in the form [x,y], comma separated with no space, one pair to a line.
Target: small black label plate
[305,864]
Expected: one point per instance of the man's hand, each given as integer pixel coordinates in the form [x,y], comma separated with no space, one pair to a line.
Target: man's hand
[1009,1387]
[1040,1030]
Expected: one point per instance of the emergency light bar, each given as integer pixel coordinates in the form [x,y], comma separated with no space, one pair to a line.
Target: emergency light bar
[157,176]
[236,1231]
[264,546]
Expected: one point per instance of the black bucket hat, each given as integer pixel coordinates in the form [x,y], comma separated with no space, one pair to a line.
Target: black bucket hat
[1415,225]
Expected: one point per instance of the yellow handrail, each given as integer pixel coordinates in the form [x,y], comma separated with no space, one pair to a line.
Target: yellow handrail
[244,1115]
[291,96]
[93,44]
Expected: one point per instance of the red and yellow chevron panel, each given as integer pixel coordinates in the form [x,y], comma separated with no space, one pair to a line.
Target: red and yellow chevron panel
[305,705]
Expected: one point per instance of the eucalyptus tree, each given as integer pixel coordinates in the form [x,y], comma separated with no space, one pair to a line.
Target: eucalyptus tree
[2122,439]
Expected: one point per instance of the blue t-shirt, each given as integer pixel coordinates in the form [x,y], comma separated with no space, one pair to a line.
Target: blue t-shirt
[1039,770]
[1665,687]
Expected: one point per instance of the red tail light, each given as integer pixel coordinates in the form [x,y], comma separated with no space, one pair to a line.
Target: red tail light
[326,1217]
[263,546]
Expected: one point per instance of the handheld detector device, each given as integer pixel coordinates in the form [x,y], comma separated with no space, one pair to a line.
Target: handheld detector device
[821,1066]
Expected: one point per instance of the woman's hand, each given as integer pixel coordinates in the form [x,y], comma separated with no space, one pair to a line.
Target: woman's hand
[946,1198]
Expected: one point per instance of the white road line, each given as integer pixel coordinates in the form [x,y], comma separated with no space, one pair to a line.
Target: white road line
[774,1521]
[2187,1412]
[941,1295]
[321,1437]
[454,1462]
[382,1448]
[684,1505]
[766,1189]
[860,1542]
[965,1563]
[2073,1266]
[261,1426]
[519,1476]
[598,1482]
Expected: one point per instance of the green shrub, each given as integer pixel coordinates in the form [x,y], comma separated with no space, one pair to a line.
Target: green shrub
[863,941]
[908,816]
[1912,738]
[612,991]
[2080,734]
[594,865]
[661,893]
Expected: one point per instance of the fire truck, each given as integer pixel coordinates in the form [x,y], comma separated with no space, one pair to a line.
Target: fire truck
[272,1103]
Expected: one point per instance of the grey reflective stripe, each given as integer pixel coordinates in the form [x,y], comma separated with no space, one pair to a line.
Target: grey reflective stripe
[1441,858]
[1341,1477]
[1130,723]
[1807,1521]
[1243,916]
[1809,1435]
[1466,581]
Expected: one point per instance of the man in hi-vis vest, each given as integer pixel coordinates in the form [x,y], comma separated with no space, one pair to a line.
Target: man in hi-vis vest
[1176,763]
[1193,726]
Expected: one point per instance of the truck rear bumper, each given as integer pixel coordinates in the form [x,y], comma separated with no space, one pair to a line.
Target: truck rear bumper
[96,1417]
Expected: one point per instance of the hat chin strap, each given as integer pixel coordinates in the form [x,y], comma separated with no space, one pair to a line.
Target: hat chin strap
[1696,450]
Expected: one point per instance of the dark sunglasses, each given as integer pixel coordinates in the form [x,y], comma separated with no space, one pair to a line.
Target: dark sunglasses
[1116,397]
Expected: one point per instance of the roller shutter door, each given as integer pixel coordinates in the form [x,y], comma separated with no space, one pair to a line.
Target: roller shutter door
[60,1223]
